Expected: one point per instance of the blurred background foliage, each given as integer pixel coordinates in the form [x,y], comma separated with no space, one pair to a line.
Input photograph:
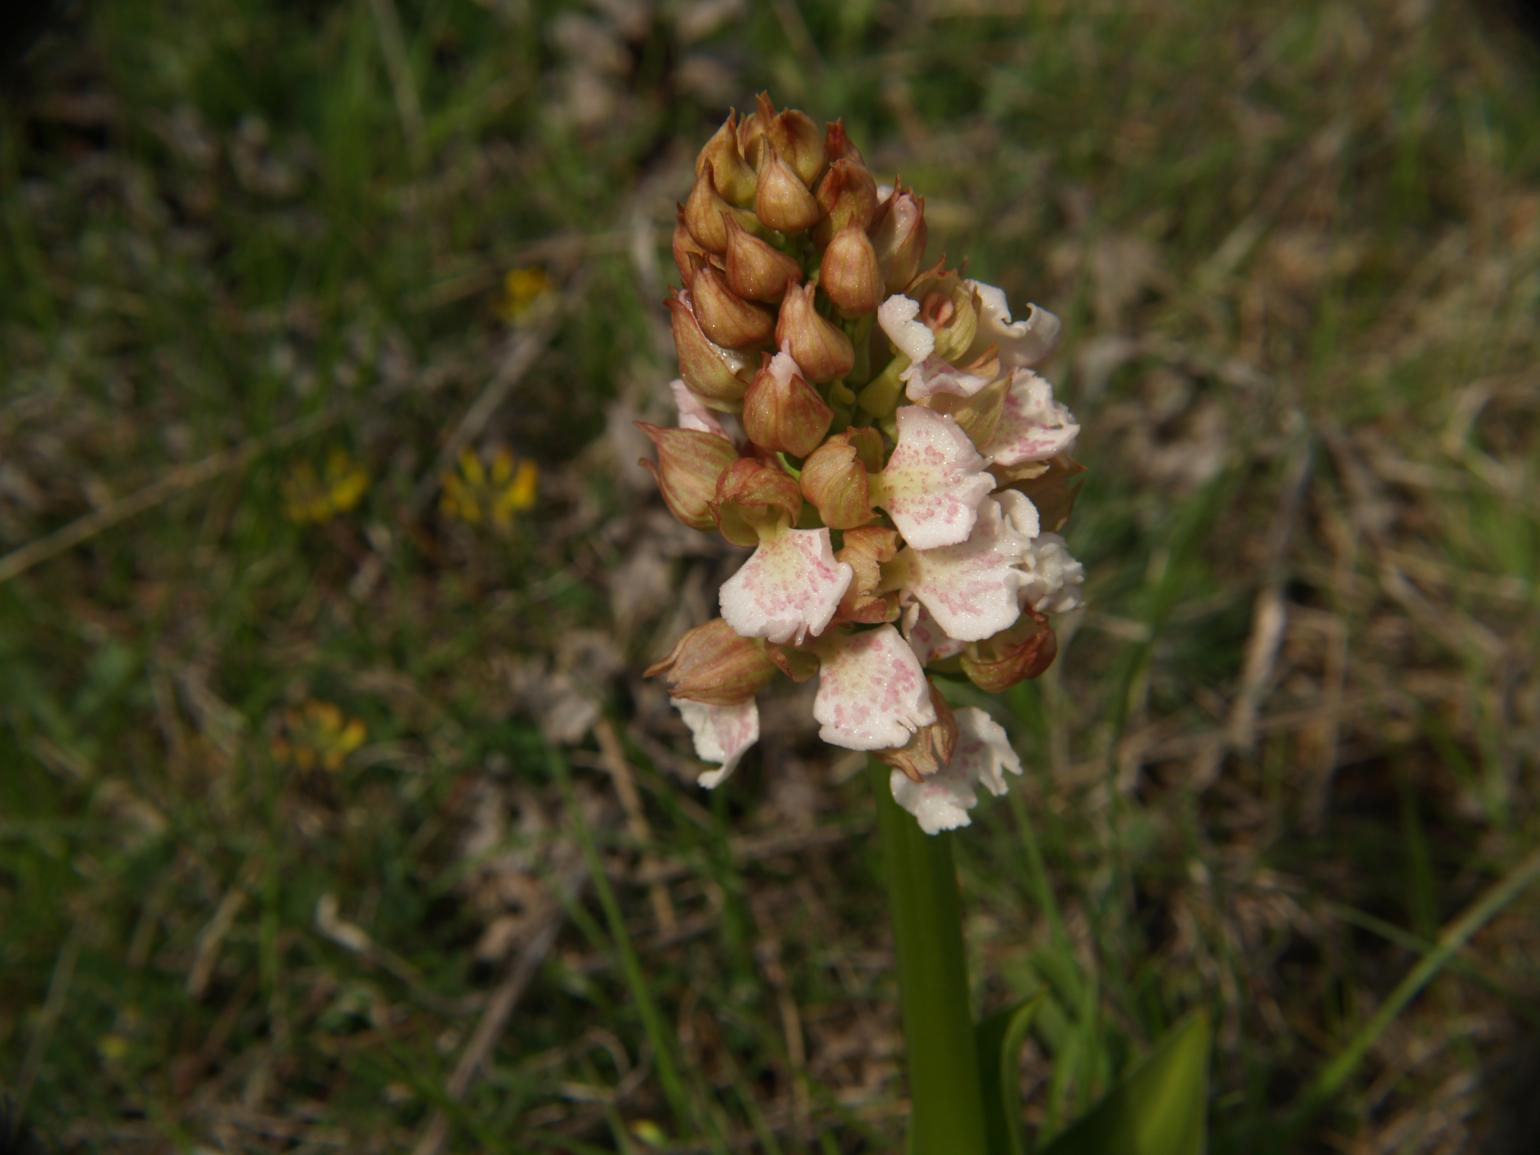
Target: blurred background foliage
[333,811]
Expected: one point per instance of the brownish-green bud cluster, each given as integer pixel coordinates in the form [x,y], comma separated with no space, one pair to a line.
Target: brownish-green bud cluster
[781,239]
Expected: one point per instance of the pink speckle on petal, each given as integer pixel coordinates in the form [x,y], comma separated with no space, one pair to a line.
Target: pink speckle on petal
[722,734]
[1033,426]
[983,754]
[934,480]
[971,588]
[788,589]
[872,692]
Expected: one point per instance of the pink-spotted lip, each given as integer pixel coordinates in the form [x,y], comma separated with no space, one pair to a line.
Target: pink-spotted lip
[872,693]
[970,589]
[1033,426]
[789,589]
[934,480]
[982,757]
[722,734]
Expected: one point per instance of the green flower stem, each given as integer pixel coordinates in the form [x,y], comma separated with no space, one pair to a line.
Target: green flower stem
[860,332]
[881,395]
[946,1096]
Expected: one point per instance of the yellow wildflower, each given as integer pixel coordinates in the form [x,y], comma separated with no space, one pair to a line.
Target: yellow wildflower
[523,290]
[648,1132]
[316,496]
[489,492]
[317,734]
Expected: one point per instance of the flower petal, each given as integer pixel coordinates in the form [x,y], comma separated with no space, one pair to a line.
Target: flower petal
[941,801]
[1019,512]
[693,413]
[789,589]
[928,640]
[783,367]
[910,336]
[722,734]
[1033,426]
[971,588]
[872,693]
[934,480]
[983,751]
[935,375]
[1051,578]
[1027,342]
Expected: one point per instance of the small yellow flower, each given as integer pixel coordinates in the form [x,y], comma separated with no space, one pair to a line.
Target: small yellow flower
[489,492]
[317,734]
[648,1132]
[523,290]
[113,1047]
[316,496]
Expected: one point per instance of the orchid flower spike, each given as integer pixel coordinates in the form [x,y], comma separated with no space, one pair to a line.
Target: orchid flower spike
[877,432]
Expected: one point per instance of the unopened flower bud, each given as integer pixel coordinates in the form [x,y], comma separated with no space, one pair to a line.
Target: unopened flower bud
[931,747]
[756,270]
[690,463]
[865,550]
[837,146]
[1023,651]
[798,140]
[731,175]
[782,200]
[848,196]
[753,139]
[752,496]
[716,375]
[714,665]
[819,346]
[703,213]
[849,273]
[726,318]
[899,235]
[868,445]
[685,246]
[781,411]
[835,481]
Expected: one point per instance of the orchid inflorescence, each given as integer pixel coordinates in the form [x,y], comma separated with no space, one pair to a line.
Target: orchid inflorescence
[874,429]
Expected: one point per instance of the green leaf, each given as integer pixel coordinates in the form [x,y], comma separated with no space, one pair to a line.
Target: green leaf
[999,1039]
[1160,1109]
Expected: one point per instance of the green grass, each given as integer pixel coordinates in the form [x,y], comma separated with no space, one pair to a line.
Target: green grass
[1300,236]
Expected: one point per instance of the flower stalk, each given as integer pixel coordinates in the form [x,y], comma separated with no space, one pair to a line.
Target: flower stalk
[946,1094]
[875,431]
